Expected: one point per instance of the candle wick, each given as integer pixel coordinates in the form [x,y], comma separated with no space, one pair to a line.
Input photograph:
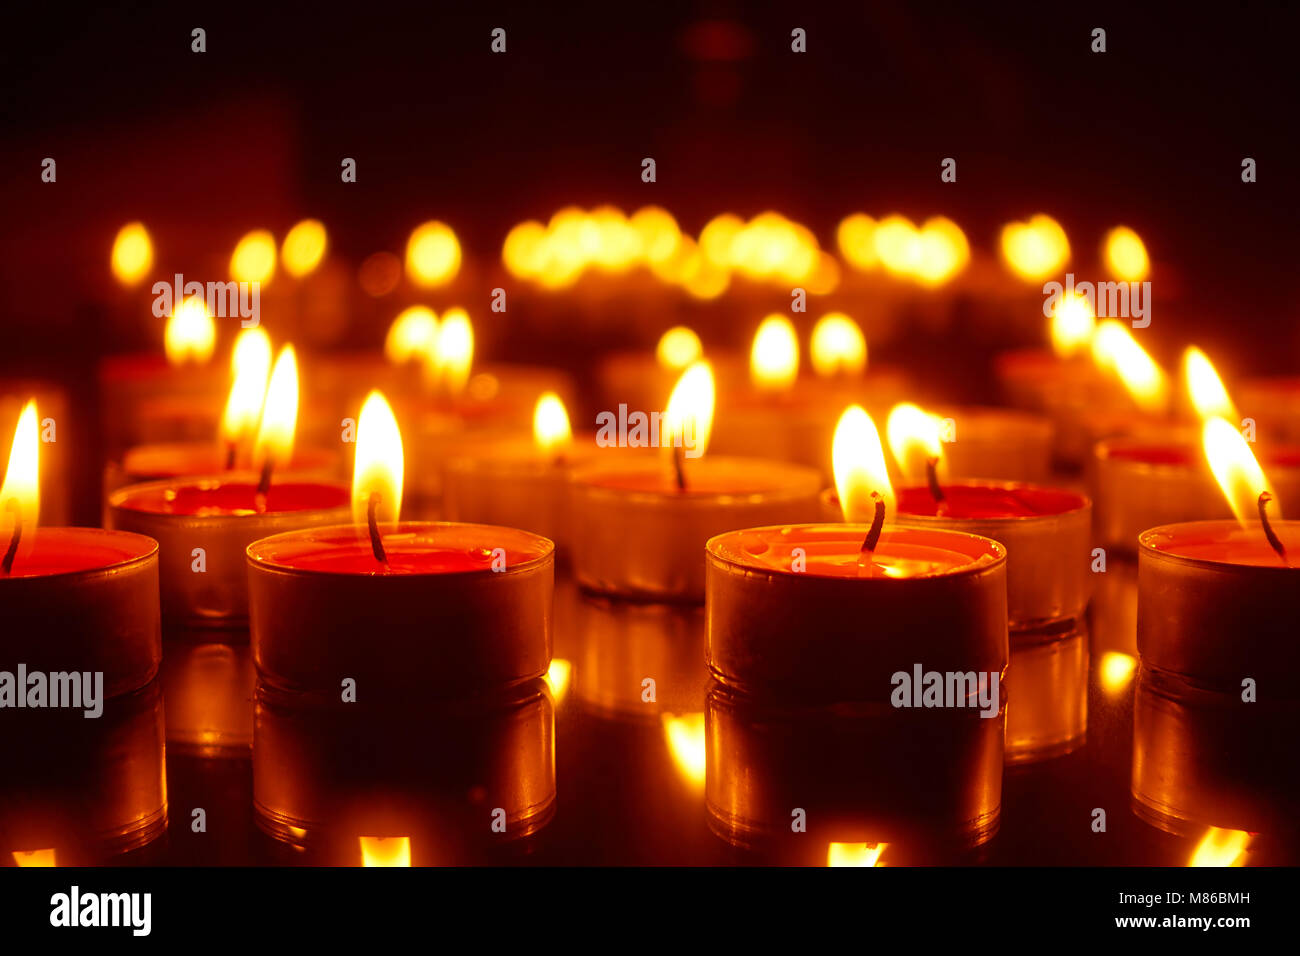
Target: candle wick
[264,483]
[376,542]
[1274,541]
[679,469]
[877,525]
[7,564]
[230,455]
[932,476]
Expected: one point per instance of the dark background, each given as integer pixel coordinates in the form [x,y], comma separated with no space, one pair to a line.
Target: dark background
[251,133]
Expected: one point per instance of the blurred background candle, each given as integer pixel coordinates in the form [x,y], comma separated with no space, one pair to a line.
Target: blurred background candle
[640,526]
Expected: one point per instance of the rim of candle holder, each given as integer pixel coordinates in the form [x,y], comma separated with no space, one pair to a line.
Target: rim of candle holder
[116,567]
[830,499]
[1147,550]
[355,532]
[116,501]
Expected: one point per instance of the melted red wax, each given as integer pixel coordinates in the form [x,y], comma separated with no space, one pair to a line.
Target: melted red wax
[211,499]
[992,501]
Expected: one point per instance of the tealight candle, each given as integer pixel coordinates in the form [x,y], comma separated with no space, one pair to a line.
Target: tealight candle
[188,459]
[640,526]
[996,444]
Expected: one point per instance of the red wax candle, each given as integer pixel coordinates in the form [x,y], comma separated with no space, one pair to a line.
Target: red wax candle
[452,608]
[203,525]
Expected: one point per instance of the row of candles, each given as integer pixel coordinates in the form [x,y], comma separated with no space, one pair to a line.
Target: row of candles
[799,609]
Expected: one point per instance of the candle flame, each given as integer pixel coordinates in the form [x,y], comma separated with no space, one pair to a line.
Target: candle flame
[1221,848]
[685,736]
[251,364]
[915,438]
[1205,388]
[551,432]
[303,248]
[132,253]
[897,243]
[1073,325]
[35,857]
[856,239]
[1236,470]
[1126,254]
[20,495]
[557,677]
[254,258]
[774,358]
[279,413]
[385,851]
[379,464]
[838,346]
[413,336]
[190,335]
[1115,349]
[678,348]
[854,854]
[455,350]
[858,460]
[1116,670]
[432,254]
[943,251]
[1035,249]
[688,422]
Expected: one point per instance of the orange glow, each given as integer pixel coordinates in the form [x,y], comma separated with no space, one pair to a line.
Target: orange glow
[678,348]
[1221,848]
[432,254]
[858,461]
[685,736]
[20,495]
[1073,325]
[251,362]
[1126,254]
[1205,388]
[557,677]
[190,334]
[34,858]
[774,357]
[657,232]
[280,412]
[379,465]
[385,851]
[717,237]
[132,253]
[898,244]
[254,258]
[551,431]
[856,240]
[943,252]
[1236,470]
[524,252]
[455,351]
[838,346]
[688,422]
[303,248]
[413,336]
[1035,249]
[1114,349]
[1116,670]
[914,437]
[854,854]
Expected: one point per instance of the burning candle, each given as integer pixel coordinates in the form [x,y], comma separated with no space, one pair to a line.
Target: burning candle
[640,526]
[459,606]
[75,600]
[203,524]
[1216,717]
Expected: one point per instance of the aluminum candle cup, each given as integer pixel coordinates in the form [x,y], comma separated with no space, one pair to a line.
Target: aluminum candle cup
[458,608]
[221,516]
[637,535]
[789,617]
[433,770]
[1144,482]
[82,599]
[864,773]
[209,690]
[1216,628]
